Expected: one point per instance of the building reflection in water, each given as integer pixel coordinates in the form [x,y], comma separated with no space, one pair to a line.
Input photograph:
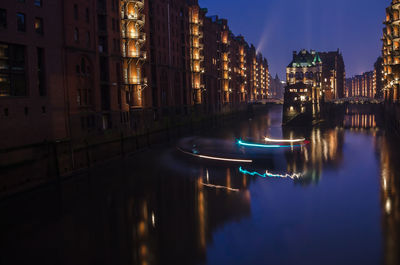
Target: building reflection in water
[360,121]
[326,145]
[187,210]
[139,215]
[325,149]
[390,198]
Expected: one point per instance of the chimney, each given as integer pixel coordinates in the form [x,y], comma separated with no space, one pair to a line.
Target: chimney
[294,54]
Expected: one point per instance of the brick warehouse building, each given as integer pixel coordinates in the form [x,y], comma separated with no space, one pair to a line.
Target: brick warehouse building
[361,85]
[74,69]
[391,53]
[32,74]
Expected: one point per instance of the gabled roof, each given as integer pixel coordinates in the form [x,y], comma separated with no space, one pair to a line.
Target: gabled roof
[305,59]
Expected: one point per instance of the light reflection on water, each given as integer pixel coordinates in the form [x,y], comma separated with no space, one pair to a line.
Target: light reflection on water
[159,207]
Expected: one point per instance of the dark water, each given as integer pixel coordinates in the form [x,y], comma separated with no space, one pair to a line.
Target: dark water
[160,207]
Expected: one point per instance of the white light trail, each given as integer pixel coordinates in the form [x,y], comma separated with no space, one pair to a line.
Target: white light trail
[284,141]
[217,158]
[219,187]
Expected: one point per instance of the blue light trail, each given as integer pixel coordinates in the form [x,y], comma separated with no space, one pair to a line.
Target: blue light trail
[242,143]
[270,175]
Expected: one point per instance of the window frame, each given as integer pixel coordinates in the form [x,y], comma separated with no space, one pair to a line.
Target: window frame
[19,14]
[4,24]
[38,3]
[39,30]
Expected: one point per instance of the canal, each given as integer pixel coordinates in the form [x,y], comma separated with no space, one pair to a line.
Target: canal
[333,201]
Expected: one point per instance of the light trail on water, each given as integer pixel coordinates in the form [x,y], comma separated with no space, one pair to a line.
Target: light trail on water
[284,141]
[219,187]
[217,158]
[242,143]
[271,175]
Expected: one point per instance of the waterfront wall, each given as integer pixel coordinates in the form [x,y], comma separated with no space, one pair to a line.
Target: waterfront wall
[392,117]
[26,167]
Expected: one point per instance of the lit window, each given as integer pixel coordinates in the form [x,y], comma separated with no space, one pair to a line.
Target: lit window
[39,25]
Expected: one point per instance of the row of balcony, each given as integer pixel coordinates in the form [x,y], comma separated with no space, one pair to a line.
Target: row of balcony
[139,18]
[199,46]
[134,54]
[140,37]
[198,58]
[196,22]
[197,34]
[198,86]
[197,69]
[137,2]
[135,81]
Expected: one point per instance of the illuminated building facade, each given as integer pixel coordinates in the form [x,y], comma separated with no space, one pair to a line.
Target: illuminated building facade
[391,52]
[117,58]
[258,73]
[378,78]
[362,85]
[134,52]
[241,69]
[196,52]
[238,72]
[333,75]
[75,95]
[303,78]
[263,77]
[224,58]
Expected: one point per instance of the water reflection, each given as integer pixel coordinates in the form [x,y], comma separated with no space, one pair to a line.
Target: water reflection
[162,209]
[390,197]
[325,149]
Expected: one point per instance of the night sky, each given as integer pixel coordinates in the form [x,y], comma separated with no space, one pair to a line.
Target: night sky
[278,27]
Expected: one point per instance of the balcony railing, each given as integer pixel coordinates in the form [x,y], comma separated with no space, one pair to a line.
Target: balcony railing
[137,2]
[141,37]
[139,18]
[135,54]
[135,81]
